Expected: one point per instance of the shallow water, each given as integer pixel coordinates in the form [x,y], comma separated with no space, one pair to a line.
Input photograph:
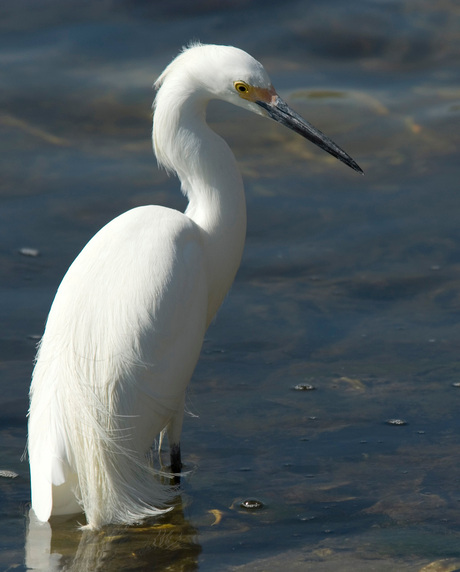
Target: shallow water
[349,284]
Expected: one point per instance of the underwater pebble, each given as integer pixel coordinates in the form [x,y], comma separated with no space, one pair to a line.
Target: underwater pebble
[8,474]
[306,518]
[29,252]
[251,504]
[304,387]
[396,422]
[456,384]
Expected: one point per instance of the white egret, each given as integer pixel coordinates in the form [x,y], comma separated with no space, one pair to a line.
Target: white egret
[127,324]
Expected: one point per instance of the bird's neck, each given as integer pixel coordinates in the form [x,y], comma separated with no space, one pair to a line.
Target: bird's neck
[212,183]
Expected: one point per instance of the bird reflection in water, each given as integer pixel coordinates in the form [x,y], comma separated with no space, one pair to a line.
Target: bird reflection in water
[156,544]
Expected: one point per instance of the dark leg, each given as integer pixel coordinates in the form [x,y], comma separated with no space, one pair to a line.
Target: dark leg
[176,463]
[174,430]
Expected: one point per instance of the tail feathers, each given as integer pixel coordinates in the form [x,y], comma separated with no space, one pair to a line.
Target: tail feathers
[78,465]
[41,489]
[83,452]
[107,482]
[118,487]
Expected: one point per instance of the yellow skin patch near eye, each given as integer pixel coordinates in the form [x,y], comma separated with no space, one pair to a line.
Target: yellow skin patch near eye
[251,93]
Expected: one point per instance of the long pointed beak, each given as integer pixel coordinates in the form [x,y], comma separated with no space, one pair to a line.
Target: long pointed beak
[280,111]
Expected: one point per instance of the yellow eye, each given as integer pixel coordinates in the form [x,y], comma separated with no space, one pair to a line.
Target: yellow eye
[241,87]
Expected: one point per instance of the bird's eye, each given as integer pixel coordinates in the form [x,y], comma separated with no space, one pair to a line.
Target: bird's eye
[241,87]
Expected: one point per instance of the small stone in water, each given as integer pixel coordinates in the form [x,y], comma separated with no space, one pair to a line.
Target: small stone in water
[306,518]
[396,422]
[251,504]
[304,387]
[8,474]
[29,252]
[456,384]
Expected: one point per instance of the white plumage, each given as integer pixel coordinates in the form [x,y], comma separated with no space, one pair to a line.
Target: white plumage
[126,326]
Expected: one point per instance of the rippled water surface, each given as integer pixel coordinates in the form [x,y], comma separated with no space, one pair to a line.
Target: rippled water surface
[348,284]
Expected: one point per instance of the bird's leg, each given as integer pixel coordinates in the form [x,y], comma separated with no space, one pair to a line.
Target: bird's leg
[174,430]
[176,463]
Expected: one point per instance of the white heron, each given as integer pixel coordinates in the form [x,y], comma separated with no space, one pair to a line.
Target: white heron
[126,327]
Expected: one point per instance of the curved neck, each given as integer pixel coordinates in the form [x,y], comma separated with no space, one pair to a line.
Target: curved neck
[211,181]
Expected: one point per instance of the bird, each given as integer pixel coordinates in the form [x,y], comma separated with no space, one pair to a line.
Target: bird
[127,323]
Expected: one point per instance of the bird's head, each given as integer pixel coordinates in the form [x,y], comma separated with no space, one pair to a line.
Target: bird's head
[232,75]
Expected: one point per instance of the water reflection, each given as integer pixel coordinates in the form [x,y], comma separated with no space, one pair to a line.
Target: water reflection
[60,545]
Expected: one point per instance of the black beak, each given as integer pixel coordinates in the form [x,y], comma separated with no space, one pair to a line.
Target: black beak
[280,111]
